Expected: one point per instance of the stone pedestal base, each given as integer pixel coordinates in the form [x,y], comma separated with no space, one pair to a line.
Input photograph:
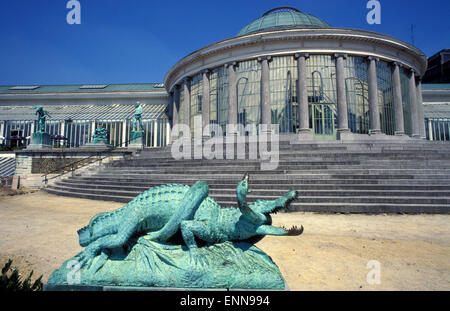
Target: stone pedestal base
[379,136]
[305,135]
[40,140]
[149,264]
[137,139]
[344,134]
[348,136]
[97,146]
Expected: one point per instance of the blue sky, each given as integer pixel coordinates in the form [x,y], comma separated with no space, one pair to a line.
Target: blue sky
[137,41]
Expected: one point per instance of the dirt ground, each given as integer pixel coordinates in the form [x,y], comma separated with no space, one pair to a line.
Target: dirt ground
[39,231]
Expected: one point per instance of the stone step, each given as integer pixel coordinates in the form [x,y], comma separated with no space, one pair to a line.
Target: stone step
[280,191]
[305,199]
[273,175]
[222,185]
[284,170]
[281,165]
[367,208]
[234,179]
[348,155]
[362,177]
[307,149]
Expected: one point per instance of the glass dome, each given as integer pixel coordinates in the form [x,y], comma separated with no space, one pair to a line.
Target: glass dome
[283,17]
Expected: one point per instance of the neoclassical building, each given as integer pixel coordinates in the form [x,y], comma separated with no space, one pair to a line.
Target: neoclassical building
[313,80]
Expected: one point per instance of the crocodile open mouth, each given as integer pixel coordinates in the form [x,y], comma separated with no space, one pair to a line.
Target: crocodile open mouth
[284,207]
[294,231]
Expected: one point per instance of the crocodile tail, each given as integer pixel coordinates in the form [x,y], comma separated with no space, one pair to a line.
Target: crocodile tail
[84,236]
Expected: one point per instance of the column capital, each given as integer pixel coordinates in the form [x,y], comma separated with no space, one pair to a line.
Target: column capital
[298,55]
[234,64]
[340,55]
[205,71]
[412,71]
[262,58]
[375,58]
[187,79]
[396,64]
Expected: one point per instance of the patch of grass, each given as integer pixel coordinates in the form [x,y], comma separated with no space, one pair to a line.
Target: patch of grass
[11,281]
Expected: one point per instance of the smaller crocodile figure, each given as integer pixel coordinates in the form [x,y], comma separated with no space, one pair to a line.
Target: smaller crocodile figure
[159,213]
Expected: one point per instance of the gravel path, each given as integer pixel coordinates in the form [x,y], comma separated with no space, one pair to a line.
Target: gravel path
[39,231]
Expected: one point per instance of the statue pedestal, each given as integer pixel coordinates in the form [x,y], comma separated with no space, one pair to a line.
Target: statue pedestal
[40,140]
[137,140]
[98,146]
[158,266]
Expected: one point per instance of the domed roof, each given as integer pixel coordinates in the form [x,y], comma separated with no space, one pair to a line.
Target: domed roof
[283,17]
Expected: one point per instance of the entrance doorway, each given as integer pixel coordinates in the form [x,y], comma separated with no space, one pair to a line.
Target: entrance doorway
[324,121]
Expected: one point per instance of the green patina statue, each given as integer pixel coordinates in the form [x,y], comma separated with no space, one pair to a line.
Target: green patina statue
[178,236]
[41,113]
[137,119]
[100,136]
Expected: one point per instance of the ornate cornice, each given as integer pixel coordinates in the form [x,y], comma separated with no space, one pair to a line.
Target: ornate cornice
[298,55]
[225,48]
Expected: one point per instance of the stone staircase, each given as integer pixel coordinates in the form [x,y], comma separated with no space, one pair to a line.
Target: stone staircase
[334,177]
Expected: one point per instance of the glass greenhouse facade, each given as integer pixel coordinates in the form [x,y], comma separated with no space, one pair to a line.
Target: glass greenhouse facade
[321,93]
[295,71]
[73,126]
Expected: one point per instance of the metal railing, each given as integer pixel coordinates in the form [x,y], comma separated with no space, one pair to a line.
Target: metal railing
[74,166]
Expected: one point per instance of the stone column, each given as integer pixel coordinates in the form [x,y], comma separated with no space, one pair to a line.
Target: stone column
[155,133]
[124,133]
[205,102]
[92,130]
[423,134]
[430,130]
[374,110]
[266,110]
[61,132]
[171,104]
[232,97]
[414,107]
[187,101]
[175,98]
[343,129]
[302,98]
[2,134]
[398,102]
[168,133]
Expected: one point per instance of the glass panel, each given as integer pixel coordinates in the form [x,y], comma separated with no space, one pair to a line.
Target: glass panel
[19,131]
[447,130]
[218,110]
[436,135]
[386,97]
[442,129]
[196,98]
[283,77]
[321,83]
[357,90]
[248,77]
[180,105]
